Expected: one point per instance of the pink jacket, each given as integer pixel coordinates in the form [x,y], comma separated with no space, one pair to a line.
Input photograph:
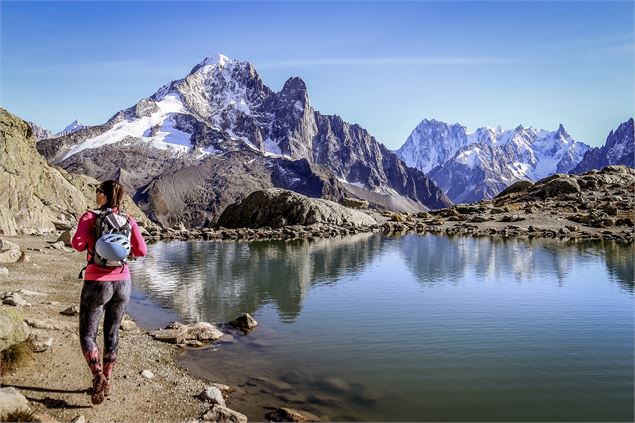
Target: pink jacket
[84,239]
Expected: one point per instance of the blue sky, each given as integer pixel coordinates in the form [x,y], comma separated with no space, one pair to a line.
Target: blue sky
[383,65]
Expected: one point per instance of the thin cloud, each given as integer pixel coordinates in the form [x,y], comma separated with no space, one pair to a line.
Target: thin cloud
[107,67]
[401,61]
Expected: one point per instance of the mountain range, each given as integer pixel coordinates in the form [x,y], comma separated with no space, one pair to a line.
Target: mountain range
[207,140]
[469,167]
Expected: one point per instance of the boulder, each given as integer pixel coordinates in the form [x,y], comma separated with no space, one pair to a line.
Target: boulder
[11,402]
[355,203]
[14,299]
[178,333]
[561,185]
[12,328]
[203,331]
[212,394]
[268,208]
[9,252]
[244,322]
[128,325]
[66,237]
[519,186]
[285,414]
[221,414]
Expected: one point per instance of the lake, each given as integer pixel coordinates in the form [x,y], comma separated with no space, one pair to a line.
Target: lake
[411,328]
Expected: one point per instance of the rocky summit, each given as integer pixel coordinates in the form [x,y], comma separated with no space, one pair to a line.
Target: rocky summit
[35,197]
[617,150]
[469,167]
[207,140]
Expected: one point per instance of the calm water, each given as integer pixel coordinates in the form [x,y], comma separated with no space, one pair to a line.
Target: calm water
[421,328]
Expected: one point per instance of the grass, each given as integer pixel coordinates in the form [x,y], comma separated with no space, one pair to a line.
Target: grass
[22,415]
[15,356]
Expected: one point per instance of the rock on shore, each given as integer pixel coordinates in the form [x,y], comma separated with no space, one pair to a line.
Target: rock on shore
[277,207]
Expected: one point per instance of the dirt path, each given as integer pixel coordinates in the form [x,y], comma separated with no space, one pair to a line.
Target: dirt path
[57,381]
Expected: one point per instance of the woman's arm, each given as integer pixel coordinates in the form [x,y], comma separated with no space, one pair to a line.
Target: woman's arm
[80,239]
[137,243]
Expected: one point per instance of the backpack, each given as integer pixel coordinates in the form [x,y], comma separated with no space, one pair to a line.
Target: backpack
[109,225]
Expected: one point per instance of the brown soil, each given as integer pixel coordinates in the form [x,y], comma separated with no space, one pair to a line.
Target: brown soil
[57,381]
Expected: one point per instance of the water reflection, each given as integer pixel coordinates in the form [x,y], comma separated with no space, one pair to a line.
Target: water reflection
[437,259]
[215,281]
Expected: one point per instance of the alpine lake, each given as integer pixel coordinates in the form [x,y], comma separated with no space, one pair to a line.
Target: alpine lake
[407,328]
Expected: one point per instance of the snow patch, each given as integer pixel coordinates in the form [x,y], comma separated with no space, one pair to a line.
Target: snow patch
[166,137]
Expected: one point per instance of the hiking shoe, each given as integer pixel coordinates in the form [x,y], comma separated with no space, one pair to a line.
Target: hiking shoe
[107,387]
[99,385]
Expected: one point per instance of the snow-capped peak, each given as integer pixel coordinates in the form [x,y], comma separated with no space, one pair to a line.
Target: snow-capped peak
[72,127]
[218,61]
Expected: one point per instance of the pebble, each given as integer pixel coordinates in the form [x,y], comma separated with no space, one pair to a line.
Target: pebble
[79,419]
[147,374]
[70,311]
[128,325]
[4,271]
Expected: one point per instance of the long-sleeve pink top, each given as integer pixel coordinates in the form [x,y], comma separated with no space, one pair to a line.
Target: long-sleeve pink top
[84,239]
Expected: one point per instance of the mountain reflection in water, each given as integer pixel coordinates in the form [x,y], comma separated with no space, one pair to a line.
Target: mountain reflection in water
[216,281]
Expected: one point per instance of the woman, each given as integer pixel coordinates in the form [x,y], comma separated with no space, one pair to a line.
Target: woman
[105,288]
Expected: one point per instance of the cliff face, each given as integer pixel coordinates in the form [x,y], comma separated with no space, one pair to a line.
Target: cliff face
[33,194]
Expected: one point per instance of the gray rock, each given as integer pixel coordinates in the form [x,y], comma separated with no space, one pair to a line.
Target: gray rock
[519,186]
[244,322]
[355,203]
[12,401]
[128,325]
[42,324]
[147,374]
[4,271]
[221,414]
[479,219]
[173,336]
[203,331]
[66,237]
[9,252]
[286,414]
[178,333]
[212,394]
[70,311]
[12,328]
[266,207]
[79,419]
[560,185]
[40,344]
[59,245]
[14,299]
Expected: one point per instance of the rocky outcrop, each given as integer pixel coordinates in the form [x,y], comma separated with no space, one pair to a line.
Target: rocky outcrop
[618,149]
[277,207]
[33,194]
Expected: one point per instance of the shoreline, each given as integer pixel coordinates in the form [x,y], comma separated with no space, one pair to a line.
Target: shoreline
[56,382]
[511,223]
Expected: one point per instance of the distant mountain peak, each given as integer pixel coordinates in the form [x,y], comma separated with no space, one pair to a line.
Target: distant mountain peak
[218,61]
[562,133]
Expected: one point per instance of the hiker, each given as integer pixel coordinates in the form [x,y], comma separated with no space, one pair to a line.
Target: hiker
[109,237]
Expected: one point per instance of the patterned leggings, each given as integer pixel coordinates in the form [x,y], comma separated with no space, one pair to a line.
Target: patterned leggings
[97,296]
